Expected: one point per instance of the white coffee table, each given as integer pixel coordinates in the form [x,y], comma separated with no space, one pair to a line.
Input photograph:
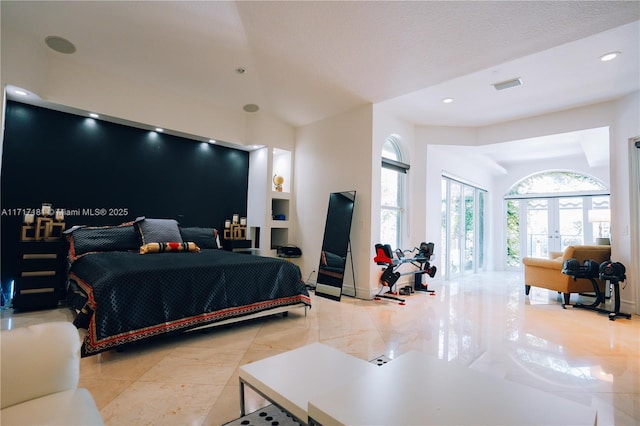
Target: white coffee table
[290,379]
[417,389]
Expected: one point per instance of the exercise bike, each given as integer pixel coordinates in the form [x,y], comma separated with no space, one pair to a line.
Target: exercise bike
[384,257]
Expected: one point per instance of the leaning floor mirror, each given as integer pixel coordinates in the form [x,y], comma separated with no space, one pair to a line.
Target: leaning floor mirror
[335,245]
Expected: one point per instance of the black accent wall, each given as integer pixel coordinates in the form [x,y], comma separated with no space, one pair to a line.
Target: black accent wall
[103,173]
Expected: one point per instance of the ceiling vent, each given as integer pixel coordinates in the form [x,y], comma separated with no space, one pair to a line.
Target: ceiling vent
[507,84]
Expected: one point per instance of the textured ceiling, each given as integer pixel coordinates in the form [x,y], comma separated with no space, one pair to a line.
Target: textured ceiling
[312,59]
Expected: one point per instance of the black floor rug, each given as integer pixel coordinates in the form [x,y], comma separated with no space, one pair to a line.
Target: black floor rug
[267,416]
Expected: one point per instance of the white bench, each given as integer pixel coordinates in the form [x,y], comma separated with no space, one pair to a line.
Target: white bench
[292,378]
[320,385]
[417,389]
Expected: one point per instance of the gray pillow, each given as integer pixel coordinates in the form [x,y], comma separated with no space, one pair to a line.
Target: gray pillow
[158,230]
[91,239]
[203,237]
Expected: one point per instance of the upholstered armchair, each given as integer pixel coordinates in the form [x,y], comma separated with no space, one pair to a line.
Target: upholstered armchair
[40,372]
[547,273]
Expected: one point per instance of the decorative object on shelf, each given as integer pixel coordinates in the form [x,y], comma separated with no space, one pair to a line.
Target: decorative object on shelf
[279,217]
[278,181]
[236,228]
[45,228]
[46,210]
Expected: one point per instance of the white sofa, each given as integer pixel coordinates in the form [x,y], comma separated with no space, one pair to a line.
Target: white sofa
[40,369]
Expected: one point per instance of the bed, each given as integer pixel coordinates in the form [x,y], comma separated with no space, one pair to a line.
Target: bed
[122,296]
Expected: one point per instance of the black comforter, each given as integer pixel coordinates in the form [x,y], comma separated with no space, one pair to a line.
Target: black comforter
[130,296]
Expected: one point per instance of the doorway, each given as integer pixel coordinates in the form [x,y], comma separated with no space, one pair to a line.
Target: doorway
[540,223]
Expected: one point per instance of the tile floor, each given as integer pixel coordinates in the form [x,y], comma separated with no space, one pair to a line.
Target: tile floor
[484,322]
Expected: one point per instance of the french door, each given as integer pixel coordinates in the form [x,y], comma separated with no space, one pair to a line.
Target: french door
[552,224]
[538,226]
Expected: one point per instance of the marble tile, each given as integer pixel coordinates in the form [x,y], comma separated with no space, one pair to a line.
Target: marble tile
[153,403]
[484,322]
[195,366]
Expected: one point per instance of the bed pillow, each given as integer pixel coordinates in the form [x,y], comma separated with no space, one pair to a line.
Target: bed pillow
[91,239]
[157,230]
[203,237]
[169,247]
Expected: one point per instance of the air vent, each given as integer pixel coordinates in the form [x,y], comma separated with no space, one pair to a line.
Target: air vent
[507,84]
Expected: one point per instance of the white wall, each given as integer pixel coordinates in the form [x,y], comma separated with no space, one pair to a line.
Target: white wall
[626,126]
[334,155]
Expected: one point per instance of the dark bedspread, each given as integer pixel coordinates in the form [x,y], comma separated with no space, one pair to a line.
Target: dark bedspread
[132,296]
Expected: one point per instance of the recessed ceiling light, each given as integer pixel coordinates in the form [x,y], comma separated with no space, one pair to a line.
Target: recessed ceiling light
[159,129]
[447,100]
[251,107]
[20,92]
[93,115]
[212,141]
[241,70]
[60,44]
[609,56]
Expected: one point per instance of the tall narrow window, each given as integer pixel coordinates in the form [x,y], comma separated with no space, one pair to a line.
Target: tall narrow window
[463,242]
[392,193]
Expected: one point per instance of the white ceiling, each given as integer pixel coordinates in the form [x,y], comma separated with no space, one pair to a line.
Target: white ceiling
[308,60]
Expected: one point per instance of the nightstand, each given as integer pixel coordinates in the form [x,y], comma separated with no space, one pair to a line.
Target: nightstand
[41,274]
[238,246]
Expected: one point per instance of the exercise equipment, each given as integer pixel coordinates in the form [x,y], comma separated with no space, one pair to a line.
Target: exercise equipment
[384,257]
[614,272]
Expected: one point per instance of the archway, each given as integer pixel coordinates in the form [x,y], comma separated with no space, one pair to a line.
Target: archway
[550,210]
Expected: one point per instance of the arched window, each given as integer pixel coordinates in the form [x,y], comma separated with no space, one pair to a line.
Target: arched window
[556,182]
[548,211]
[392,192]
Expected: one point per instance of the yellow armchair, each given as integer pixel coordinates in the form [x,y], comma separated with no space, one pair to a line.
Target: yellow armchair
[547,273]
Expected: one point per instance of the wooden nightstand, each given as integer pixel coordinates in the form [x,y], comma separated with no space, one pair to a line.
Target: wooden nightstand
[41,274]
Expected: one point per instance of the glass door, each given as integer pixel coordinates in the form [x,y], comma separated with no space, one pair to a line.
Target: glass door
[469,229]
[462,228]
[568,221]
[537,227]
[553,224]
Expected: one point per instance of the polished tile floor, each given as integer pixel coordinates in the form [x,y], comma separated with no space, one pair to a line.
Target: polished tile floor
[483,321]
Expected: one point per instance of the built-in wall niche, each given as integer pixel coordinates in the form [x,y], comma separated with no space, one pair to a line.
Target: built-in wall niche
[279,237]
[281,168]
[279,209]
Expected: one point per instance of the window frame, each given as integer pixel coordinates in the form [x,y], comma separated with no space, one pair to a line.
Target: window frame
[398,210]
